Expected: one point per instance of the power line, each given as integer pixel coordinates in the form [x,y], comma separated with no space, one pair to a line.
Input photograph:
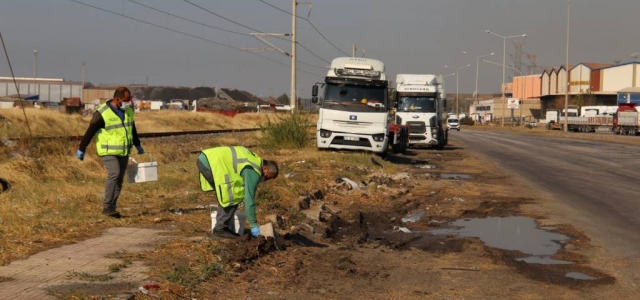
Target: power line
[256,30]
[310,23]
[214,27]
[223,17]
[186,19]
[187,34]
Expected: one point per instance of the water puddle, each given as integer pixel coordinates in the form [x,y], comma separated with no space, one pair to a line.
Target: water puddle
[455,176]
[580,276]
[543,260]
[413,217]
[511,233]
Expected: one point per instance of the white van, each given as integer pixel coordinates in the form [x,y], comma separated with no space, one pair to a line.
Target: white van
[453,123]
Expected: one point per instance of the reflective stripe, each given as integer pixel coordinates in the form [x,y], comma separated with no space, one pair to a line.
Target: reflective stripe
[227,180]
[244,160]
[113,126]
[102,109]
[234,159]
[128,124]
[119,147]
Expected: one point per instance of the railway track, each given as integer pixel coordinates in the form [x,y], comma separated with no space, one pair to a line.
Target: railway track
[140,135]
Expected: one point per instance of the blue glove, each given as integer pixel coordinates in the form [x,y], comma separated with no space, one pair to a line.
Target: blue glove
[255,231]
[80,154]
[140,149]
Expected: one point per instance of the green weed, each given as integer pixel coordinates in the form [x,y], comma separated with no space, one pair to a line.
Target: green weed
[290,131]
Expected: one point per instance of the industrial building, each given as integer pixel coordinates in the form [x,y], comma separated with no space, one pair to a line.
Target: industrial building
[590,84]
[49,89]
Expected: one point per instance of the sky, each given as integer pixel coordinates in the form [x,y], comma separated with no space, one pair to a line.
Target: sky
[409,36]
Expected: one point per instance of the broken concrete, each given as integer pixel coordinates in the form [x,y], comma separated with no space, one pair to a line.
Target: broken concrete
[267,230]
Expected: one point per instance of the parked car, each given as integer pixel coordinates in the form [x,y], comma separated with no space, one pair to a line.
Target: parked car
[533,123]
[453,123]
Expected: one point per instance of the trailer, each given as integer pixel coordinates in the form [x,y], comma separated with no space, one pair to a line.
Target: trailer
[627,120]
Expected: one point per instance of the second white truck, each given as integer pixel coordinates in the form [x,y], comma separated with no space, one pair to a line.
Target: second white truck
[420,105]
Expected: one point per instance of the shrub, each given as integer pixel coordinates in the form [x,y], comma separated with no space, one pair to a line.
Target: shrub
[290,131]
[467,121]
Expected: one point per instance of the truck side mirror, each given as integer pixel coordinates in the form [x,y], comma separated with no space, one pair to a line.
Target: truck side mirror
[314,94]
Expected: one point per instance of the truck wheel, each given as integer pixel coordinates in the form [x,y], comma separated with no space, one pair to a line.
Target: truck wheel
[403,143]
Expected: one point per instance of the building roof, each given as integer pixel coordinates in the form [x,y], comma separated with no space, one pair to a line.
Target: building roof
[563,67]
[53,81]
[629,62]
[630,90]
[594,66]
[25,97]
[547,70]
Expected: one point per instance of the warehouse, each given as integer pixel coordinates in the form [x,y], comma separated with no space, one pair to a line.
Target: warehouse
[48,89]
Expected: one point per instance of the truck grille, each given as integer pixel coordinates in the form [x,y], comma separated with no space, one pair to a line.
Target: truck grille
[417,127]
[339,140]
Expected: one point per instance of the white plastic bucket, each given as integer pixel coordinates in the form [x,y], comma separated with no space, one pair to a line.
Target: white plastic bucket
[236,226]
[142,172]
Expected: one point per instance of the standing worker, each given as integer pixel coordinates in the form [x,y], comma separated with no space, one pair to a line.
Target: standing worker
[116,135]
[234,173]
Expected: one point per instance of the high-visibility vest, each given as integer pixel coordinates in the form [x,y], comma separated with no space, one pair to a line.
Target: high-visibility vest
[226,164]
[116,138]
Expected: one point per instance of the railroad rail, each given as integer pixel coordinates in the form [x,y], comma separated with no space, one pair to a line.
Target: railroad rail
[140,135]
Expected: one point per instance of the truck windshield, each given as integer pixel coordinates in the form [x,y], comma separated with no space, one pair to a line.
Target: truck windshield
[417,103]
[355,98]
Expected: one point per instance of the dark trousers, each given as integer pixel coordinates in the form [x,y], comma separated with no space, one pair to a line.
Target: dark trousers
[224,215]
[116,168]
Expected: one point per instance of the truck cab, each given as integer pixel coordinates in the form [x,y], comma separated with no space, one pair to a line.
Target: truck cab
[354,106]
[420,106]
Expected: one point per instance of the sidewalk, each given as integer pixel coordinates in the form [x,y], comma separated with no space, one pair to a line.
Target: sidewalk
[49,273]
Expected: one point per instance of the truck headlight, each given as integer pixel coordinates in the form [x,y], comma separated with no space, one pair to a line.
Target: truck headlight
[378,137]
[434,130]
[435,135]
[325,133]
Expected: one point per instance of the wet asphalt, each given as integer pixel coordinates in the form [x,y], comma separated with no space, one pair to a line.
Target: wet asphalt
[596,184]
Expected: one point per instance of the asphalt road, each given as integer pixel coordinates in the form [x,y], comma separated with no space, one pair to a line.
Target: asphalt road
[596,183]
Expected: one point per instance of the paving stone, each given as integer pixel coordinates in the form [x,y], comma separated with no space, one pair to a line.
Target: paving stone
[46,270]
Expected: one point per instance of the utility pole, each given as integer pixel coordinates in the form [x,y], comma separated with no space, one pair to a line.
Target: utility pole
[35,70]
[82,88]
[294,57]
[353,50]
[147,78]
[566,92]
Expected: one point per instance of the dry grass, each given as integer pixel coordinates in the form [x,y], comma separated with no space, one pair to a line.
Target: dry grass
[55,123]
[56,199]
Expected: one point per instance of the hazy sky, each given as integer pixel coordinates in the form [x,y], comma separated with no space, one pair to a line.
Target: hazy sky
[409,36]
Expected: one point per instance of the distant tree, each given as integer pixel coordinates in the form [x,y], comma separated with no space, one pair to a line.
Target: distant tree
[283,99]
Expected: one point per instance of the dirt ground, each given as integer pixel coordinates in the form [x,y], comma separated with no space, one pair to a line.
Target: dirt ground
[356,248]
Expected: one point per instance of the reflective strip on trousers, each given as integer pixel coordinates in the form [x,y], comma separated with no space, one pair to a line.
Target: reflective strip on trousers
[227,180]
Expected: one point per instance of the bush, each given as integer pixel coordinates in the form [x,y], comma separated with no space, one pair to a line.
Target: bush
[290,131]
[467,121]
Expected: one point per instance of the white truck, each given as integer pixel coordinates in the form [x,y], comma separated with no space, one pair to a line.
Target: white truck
[354,109]
[420,105]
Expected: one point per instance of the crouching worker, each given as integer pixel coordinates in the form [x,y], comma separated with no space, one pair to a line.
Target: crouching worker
[234,173]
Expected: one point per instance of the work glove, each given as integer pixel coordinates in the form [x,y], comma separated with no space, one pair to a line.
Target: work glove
[80,154]
[140,149]
[255,231]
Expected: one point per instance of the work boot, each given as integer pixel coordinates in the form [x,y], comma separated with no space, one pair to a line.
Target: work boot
[111,212]
[225,233]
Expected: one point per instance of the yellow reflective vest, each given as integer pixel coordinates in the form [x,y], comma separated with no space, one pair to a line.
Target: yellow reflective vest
[226,164]
[116,138]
